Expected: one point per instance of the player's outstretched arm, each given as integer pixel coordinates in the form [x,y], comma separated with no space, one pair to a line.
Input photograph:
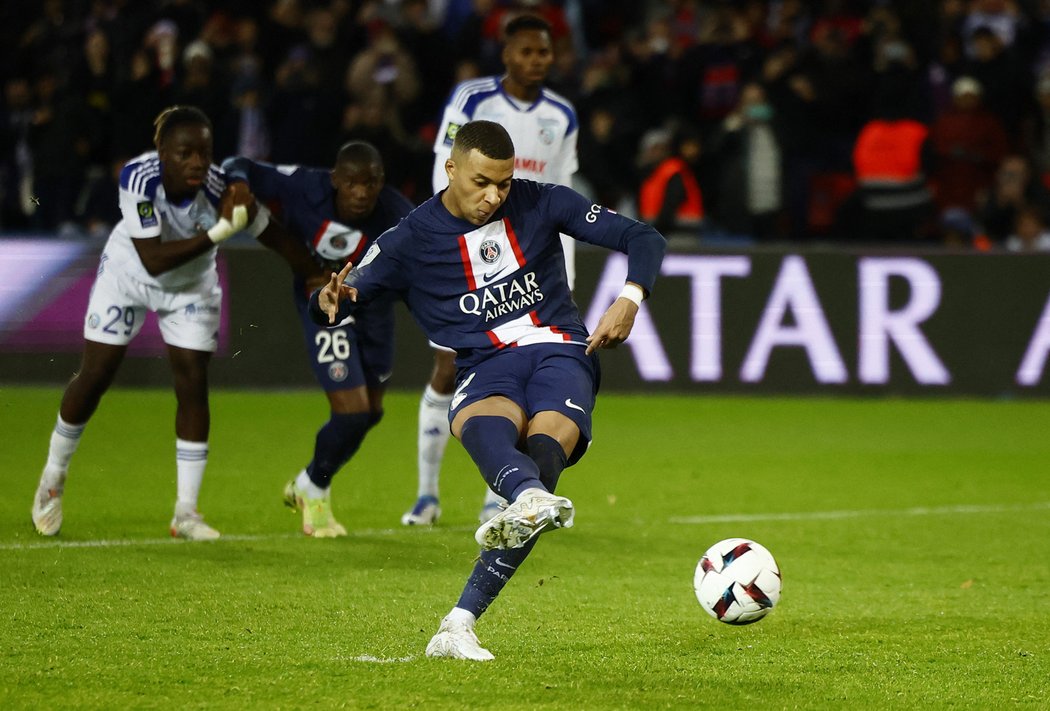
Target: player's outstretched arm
[331,295]
[616,323]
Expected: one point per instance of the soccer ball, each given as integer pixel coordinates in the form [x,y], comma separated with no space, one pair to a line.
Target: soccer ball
[737,581]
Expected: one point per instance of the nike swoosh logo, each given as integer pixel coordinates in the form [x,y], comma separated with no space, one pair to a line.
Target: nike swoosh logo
[460,393]
[499,562]
[574,406]
[490,276]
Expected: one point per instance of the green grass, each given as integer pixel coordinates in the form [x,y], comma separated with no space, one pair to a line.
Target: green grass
[904,598]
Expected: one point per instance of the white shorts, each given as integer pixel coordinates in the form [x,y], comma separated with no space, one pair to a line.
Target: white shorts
[189,318]
[439,347]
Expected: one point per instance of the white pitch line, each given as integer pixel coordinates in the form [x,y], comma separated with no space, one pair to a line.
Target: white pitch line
[858,513]
[382,660]
[130,542]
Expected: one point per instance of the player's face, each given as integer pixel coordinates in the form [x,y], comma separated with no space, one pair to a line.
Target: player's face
[185,155]
[477,185]
[357,187]
[528,57]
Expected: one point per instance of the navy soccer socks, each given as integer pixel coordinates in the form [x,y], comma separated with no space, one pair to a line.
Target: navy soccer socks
[337,440]
[495,568]
[491,441]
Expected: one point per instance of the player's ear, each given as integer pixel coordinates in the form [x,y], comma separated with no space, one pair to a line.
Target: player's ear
[450,168]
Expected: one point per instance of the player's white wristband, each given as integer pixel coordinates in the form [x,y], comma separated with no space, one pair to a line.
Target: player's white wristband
[633,292]
[224,229]
[260,223]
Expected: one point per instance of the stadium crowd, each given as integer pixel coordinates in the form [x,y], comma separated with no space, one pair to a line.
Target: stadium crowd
[847,120]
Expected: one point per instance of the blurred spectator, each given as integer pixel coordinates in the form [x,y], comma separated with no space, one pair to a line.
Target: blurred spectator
[59,144]
[1030,233]
[605,156]
[670,198]
[1000,73]
[968,143]
[749,189]
[1015,187]
[383,65]
[199,85]
[303,114]
[16,158]
[891,161]
[1037,128]
[957,228]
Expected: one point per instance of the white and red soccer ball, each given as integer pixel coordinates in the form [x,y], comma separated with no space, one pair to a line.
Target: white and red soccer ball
[737,581]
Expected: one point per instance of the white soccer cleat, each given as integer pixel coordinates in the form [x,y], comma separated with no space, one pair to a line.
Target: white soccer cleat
[47,505]
[533,512]
[456,640]
[426,512]
[191,527]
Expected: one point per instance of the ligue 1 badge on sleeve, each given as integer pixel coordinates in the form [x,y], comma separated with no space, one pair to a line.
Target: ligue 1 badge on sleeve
[147,218]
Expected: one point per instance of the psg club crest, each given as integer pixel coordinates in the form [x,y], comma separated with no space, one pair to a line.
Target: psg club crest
[490,251]
[338,371]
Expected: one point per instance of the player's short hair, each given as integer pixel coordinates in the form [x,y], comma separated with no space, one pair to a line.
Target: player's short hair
[173,116]
[488,137]
[523,23]
[360,152]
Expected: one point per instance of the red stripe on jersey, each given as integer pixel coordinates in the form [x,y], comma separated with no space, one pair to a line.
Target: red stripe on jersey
[464,255]
[320,232]
[500,345]
[513,239]
[360,248]
[553,329]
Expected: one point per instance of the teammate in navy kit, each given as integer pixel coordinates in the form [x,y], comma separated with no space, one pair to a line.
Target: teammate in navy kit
[160,257]
[480,266]
[336,213]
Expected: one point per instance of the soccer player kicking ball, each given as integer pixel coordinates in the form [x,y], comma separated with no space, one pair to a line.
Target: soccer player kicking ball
[480,266]
[160,257]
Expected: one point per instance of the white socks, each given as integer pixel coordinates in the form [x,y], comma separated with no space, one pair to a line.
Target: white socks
[458,614]
[312,490]
[64,440]
[433,438]
[190,460]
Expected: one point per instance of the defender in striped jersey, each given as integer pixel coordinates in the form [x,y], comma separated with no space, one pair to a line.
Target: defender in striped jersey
[160,257]
[481,269]
[543,126]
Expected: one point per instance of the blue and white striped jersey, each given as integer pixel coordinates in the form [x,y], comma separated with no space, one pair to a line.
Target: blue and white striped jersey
[544,132]
[147,213]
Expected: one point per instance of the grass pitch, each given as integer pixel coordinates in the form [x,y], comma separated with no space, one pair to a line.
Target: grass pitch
[914,540]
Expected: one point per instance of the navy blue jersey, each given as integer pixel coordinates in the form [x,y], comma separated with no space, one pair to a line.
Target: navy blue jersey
[479,290]
[304,199]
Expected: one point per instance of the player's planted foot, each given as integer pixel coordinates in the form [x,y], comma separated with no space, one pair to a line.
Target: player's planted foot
[456,639]
[425,512]
[318,520]
[533,512]
[47,504]
[190,525]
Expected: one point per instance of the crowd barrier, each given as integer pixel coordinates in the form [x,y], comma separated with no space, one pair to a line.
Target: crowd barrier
[816,321]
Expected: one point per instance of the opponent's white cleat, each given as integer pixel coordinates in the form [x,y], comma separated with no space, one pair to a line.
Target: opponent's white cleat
[490,509]
[318,521]
[47,505]
[533,512]
[456,640]
[191,526]
[426,512]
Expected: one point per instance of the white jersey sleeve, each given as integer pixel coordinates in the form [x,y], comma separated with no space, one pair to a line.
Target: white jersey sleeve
[451,120]
[140,215]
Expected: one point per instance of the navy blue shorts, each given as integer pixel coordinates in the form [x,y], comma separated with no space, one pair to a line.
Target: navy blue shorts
[539,377]
[361,353]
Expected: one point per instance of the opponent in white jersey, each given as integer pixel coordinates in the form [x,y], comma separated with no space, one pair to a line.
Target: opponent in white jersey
[543,127]
[160,258]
